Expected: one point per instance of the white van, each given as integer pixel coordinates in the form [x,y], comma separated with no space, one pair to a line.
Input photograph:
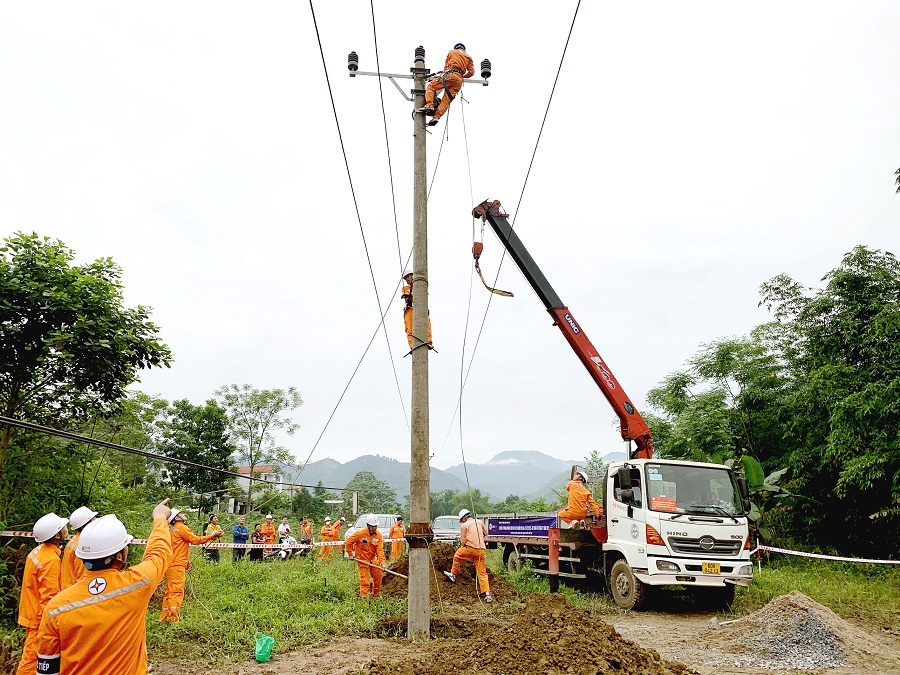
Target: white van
[385,523]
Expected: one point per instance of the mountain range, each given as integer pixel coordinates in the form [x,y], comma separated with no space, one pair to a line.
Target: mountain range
[527,474]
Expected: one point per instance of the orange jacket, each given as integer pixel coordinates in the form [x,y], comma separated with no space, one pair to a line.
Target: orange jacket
[396,532]
[580,498]
[458,58]
[72,567]
[99,624]
[268,530]
[39,583]
[307,529]
[472,534]
[182,538]
[326,533]
[368,547]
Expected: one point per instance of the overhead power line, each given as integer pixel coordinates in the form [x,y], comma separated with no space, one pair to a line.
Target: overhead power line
[62,433]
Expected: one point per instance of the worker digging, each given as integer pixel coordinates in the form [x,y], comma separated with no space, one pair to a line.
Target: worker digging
[472,547]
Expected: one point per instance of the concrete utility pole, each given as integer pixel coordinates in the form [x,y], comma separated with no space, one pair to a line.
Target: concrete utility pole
[419,533]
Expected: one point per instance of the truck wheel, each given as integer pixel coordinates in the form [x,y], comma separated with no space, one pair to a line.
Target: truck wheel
[513,560]
[628,592]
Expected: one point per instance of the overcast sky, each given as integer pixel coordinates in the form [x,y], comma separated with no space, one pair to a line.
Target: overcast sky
[692,151]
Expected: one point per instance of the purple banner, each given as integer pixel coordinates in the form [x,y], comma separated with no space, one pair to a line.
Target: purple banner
[520,527]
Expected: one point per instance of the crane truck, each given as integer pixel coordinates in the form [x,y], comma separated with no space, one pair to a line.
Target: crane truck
[664,523]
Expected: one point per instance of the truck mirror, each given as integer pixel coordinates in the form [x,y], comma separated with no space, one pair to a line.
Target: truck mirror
[743,487]
[746,504]
[624,474]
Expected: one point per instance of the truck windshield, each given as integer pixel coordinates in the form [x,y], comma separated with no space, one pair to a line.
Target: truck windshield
[677,488]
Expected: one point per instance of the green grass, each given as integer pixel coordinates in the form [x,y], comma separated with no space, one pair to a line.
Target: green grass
[297,602]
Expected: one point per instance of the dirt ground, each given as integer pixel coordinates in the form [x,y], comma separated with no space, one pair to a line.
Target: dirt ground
[545,635]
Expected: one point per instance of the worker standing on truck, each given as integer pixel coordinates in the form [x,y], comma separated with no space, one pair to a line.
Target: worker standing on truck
[396,532]
[407,296]
[457,66]
[580,498]
[40,583]
[99,624]
[182,538]
[471,538]
[366,546]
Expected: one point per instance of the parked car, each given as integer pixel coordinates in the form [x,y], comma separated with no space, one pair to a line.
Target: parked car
[446,528]
[385,521]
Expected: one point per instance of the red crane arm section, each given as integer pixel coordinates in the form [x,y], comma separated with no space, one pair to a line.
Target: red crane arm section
[632,425]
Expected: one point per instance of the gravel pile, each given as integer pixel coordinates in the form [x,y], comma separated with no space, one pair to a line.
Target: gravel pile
[791,631]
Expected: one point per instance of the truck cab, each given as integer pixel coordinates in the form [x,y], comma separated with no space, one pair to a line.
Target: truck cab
[674,523]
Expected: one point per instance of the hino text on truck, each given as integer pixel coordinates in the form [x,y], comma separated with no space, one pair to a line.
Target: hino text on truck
[664,522]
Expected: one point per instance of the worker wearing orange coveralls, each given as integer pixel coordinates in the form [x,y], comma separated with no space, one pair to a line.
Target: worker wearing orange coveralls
[396,532]
[579,499]
[367,546]
[182,538]
[407,296]
[39,584]
[457,66]
[326,532]
[472,547]
[306,529]
[268,530]
[72,567]
[99,625]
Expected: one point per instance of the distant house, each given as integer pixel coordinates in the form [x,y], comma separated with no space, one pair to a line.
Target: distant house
[269,473]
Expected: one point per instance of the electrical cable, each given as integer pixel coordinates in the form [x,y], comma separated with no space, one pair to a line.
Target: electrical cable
[521,195]
[386,140]
[356,207]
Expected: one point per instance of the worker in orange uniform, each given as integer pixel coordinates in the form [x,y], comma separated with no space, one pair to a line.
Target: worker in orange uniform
[269,531]
[366,546]
[580,498]
[40,583]
[325,550]
[99,625]
[407,296]
[306,531]
[336,532]
[72,567]
[472,547]
[457,66]
[396,532]
[182,538]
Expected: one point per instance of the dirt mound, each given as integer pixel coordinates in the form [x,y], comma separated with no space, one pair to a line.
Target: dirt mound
[545,636]
[792,631]
[464,591]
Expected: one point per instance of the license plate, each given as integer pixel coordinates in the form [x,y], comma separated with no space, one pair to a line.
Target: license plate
[711,568]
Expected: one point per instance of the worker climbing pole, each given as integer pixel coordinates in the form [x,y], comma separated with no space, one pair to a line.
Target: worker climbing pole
[407,295]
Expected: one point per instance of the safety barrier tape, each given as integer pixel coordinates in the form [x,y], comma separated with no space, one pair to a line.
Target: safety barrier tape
[803,554]
[143,542]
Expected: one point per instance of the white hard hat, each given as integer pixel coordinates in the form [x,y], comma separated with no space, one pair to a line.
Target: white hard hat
[47,526]
[583,475]
[80,517]
[327,519]
[103,537]
[372,519]
[463,513]
[172,515]
[343,519]
[269,516]
[406,273]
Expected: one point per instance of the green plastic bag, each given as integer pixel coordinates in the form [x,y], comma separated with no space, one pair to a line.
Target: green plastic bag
[264,645]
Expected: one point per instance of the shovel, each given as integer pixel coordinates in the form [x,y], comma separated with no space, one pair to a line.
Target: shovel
[715,624]
[378,567]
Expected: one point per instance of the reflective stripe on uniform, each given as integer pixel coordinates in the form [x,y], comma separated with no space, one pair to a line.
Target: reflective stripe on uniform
[99,598]
[34,559]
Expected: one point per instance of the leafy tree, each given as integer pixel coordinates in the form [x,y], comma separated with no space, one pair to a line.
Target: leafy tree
[375,495]
[199,434]
[253,414]
[472,500]
[441,503]
[69,346]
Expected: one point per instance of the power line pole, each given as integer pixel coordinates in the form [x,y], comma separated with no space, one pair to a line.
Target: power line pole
[419,533]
